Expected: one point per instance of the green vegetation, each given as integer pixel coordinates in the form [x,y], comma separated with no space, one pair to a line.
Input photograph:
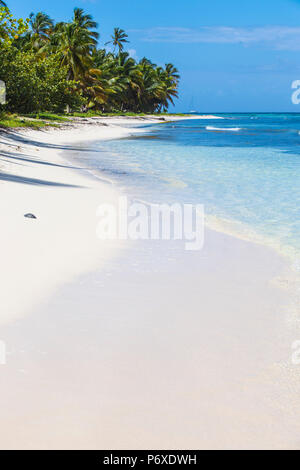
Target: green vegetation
[12,120]
[10,28]
[48,117]
[51,69]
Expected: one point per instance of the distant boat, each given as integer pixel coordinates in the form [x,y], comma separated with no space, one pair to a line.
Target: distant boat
[191,106]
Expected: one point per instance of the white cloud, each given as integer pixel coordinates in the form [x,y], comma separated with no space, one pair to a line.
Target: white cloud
[132,53]
[276,37]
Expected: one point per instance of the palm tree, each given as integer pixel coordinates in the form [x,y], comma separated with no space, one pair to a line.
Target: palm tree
[118,39]
[41,27]
[127,81]
[85,21]
[74,46]
[98,88]
[2,4]
[149,91]
[169,79]
[75,42]
[172,72]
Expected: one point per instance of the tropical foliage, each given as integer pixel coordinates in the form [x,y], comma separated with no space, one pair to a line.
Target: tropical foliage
[50,66]
[118,39]
[10,28]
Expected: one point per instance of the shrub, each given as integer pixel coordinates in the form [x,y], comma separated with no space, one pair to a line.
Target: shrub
[35,85]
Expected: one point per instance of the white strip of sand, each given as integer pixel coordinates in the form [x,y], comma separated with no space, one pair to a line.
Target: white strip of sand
[39,254]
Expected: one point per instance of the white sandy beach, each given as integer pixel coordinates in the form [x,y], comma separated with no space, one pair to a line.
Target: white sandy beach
[40,254]
[126,346]
[61,242]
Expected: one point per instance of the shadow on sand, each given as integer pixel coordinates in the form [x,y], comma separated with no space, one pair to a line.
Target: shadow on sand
[14,157]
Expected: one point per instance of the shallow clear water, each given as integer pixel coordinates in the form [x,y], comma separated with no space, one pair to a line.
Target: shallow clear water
[244,168]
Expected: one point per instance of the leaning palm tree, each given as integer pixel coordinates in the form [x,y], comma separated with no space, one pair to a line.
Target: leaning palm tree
[118,39]
[2,4]
[98,88]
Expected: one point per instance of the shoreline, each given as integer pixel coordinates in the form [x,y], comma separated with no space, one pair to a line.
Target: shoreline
[91,364]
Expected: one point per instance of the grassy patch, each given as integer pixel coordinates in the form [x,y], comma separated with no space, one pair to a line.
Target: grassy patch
[85,115]
[14,121]
[48,117]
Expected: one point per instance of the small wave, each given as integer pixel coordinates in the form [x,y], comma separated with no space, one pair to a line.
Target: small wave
[246,232]
[222,129]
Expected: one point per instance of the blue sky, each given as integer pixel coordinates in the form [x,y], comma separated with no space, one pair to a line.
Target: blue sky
[233,55]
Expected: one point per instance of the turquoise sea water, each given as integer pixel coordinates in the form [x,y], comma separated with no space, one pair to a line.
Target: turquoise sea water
[244,168]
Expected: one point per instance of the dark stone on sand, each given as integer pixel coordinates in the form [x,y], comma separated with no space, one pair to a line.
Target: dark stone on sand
[30,216]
